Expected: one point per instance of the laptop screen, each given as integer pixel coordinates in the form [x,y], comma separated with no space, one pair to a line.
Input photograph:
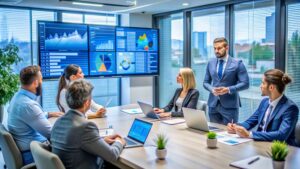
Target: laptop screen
[139,130]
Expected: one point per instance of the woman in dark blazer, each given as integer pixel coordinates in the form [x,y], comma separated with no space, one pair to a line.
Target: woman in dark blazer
[186,96]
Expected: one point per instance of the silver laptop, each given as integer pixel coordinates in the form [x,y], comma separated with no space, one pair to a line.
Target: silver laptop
[138,133]
[148,110]
[196,119]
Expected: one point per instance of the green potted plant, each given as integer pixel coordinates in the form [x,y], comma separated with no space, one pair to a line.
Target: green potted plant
[9,81]
[211,140]
[279,151]
[161,142]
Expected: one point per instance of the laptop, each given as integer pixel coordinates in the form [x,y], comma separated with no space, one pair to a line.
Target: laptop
[196,119]
[138,133]
[147,109]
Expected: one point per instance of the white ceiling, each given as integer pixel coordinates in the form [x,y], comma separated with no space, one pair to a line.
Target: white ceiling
[147,6]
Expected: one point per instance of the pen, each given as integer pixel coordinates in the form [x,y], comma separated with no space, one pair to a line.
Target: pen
[107,103]
[254,160]
[231,122]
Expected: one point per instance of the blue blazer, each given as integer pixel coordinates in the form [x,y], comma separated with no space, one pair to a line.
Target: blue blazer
[281,124]
[235,77]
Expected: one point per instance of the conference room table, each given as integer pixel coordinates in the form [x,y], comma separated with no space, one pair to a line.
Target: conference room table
[186,147]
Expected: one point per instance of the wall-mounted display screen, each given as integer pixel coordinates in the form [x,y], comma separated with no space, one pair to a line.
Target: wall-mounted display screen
[99,50]
[61,44]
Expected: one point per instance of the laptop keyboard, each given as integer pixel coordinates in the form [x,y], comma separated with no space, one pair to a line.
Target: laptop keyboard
[212,128]
[129,142]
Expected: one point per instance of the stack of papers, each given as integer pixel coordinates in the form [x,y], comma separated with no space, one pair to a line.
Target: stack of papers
[133,111]
[231,139]
[255,162]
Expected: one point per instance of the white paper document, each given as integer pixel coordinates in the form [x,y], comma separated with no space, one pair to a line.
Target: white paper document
[106,132]
[133,111]
[231,139]
[254,162]
[173,121]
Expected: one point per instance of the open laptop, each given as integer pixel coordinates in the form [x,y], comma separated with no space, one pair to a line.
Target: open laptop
[138,133]
[148,110]
[196,119]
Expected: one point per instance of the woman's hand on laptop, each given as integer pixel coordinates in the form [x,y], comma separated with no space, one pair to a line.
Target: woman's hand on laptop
[163,115]
[158,110]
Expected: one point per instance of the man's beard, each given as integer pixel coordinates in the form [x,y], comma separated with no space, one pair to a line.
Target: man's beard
[221,55]
[39,90]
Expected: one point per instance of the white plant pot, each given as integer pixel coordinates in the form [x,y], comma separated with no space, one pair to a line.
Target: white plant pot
[212,143]
[161,154]
[278,164]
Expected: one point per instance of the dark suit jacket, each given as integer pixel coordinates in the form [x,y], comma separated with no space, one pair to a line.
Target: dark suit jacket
[77,143]
[235,77]
[190,101]
[281,123]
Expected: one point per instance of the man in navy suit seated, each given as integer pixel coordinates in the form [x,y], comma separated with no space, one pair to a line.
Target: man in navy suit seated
[276,115]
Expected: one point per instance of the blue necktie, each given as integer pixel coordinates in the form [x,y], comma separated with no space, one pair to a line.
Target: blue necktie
[220,70]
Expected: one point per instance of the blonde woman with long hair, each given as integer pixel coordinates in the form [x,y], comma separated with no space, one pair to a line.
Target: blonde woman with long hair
[185,96]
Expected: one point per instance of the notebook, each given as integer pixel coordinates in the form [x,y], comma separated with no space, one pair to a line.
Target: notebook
[261,163]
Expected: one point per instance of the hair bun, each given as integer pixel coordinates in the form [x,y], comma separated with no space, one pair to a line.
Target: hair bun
[286,79]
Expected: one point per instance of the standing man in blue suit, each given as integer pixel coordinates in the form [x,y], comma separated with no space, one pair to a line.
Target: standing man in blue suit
[224,78]
[276,115]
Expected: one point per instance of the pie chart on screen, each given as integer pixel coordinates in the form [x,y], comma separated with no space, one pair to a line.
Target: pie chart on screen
[103,63]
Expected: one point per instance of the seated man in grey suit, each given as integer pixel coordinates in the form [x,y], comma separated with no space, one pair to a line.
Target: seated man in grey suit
[76,140]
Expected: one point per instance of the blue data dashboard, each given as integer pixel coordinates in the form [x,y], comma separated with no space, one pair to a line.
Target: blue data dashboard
[98,49]
[137,50]
[61,44]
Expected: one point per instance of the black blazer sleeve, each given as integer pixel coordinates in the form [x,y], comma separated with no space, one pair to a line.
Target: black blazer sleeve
[190,101]
[171,104]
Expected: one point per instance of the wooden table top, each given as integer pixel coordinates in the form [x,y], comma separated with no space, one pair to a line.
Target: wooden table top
[186,147]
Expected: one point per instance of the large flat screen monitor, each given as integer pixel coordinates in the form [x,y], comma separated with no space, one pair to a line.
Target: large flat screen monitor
[61,44]
[99,50]
[136,51]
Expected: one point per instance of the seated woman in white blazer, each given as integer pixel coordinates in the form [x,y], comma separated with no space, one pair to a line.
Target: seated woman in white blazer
[73,72]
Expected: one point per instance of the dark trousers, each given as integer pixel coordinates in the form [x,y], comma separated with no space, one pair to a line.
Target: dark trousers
[222,115]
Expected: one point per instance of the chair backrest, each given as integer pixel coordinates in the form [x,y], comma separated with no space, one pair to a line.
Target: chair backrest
[297,134]
[202,105]
[11,153]
[43,158]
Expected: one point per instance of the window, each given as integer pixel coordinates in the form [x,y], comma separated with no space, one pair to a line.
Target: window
[101,19]
[171,55]
[43,16]
[15,28]
[72,17]
[254,44]
[206,26]
[293,51]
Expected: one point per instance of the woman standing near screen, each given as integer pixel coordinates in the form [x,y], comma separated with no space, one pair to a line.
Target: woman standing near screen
[73,72]
[186,96]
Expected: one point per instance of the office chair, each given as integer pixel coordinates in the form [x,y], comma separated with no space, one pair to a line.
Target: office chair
[11,153]
[202,105]
[297,134]
[43,158]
